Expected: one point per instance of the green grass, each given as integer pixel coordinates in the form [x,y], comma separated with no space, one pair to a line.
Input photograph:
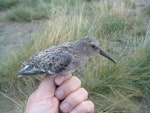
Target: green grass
[22,13]
[112,24]
[5,4]
[29,10]
[147,9]
[112,88]
[116,86]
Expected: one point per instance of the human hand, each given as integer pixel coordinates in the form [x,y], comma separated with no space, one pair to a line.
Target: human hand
[68,97]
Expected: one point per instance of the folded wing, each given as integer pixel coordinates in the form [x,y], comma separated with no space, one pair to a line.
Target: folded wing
[50,62]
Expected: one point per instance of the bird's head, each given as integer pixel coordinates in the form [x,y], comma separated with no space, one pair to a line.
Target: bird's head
[89,46]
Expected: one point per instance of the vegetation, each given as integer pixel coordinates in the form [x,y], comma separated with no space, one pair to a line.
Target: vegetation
[4,4]
[147,9]
[122,33]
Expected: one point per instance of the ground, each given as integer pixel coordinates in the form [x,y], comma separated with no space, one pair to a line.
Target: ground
[14,35]
[12,31]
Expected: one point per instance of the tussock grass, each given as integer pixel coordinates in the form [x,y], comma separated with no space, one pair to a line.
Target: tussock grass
[4,4]
[29,10]
[147,9]
[111,87]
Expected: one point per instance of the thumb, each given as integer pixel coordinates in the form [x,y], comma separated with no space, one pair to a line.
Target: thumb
[47,85]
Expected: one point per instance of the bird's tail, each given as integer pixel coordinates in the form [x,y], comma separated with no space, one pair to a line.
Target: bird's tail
[30,70]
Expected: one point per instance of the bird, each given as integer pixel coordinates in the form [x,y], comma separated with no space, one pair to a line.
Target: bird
[64,58]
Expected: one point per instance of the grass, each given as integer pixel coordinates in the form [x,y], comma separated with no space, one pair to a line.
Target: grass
[147,9]
[112,88]
[20,10]
[4,4]
[117,86]
[28,11]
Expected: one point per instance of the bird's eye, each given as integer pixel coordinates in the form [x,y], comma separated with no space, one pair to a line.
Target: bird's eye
[93,46]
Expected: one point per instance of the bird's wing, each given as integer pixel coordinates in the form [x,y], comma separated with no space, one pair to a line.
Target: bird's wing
[57,62]
[48,61]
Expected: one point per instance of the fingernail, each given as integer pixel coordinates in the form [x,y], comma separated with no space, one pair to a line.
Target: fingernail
[59,94]
[65,107]
[59,80]
[74,111]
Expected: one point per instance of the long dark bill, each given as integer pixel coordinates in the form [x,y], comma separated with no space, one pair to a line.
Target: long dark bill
[107,56]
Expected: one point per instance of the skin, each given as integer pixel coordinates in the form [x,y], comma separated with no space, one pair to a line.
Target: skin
[64,94]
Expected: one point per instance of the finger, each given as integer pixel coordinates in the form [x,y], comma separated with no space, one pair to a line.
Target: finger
[73,100]
[47,86]
[61,78]
[67,87]
[84,107]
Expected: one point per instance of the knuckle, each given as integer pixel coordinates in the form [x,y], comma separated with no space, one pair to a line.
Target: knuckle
[80,96]
[77,80]
[84,92]
[91,103]
[91,106]
[67,76]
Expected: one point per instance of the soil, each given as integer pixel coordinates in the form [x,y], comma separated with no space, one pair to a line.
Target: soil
[14,35]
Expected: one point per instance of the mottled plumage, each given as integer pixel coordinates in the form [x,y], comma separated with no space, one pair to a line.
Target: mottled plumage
[64,58]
